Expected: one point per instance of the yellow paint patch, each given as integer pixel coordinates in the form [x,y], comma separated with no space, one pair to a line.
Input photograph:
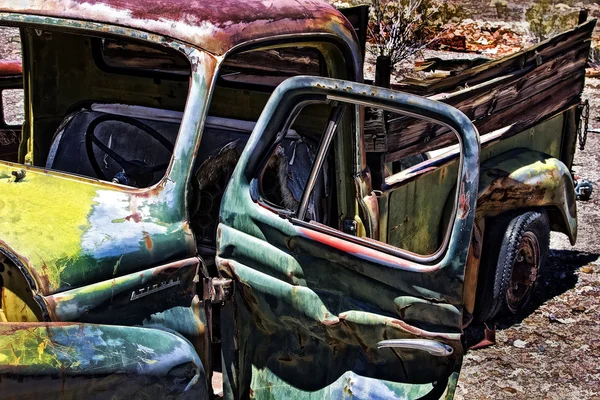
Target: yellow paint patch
[43,218]
[41,348]
[14,309]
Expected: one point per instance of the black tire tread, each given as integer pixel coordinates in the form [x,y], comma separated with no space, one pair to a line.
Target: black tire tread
[493,295]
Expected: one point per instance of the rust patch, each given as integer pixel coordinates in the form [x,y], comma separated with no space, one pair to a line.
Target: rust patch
[10,68]
[463,205]
[507,189]
[148,241]
[328,322]
[41,280]
[175,266]
[216,29]
[12,327]
[136,217]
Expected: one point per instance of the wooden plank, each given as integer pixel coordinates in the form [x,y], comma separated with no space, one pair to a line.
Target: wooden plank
[479,102]
[529,75]
[563,96]
[523,59]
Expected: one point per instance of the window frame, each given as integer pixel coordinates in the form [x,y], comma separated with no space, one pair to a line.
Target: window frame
[429,259]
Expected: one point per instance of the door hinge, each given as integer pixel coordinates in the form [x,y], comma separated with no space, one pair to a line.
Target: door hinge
[217,290]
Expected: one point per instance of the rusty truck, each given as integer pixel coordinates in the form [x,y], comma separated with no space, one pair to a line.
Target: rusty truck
[201,188]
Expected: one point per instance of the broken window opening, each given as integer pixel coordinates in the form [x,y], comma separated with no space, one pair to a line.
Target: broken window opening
[117,125]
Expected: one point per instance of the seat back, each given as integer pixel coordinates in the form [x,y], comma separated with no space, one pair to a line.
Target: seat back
[69,152]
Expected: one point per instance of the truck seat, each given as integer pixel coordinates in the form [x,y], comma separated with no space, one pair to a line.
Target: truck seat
[69,153]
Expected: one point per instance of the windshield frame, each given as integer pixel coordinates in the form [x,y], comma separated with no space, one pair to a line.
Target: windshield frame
[202,67]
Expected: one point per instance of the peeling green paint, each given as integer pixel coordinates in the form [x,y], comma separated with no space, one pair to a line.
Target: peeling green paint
[144,361]
[308,317]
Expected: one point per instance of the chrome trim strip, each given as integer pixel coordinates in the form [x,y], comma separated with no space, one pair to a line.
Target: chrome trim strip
[433,347]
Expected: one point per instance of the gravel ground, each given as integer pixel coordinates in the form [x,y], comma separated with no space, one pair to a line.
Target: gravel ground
[12,100]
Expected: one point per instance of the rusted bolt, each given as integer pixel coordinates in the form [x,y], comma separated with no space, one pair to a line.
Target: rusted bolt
[19,175]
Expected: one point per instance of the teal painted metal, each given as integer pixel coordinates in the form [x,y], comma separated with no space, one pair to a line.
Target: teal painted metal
[106,253]
[91,361]
[173,283]
[349,385]
[317,306]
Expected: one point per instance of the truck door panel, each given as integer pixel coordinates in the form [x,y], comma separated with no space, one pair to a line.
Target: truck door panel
[313,307]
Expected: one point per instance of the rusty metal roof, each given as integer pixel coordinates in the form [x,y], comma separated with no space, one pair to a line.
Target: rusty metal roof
[213,25]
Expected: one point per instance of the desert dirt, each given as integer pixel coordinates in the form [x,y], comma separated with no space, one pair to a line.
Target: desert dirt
[552,351]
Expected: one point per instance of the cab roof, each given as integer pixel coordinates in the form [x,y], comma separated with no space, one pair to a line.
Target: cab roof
[213,25]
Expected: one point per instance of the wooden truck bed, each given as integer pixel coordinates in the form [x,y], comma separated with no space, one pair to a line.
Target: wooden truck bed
[515,92]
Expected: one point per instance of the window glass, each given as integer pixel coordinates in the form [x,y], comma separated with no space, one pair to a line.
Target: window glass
[273,66]
[138,57]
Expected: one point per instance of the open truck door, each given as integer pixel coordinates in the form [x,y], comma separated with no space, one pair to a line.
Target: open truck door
[317,312]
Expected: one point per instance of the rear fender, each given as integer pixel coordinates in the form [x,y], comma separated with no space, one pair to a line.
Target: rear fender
[69,360]
[525,179]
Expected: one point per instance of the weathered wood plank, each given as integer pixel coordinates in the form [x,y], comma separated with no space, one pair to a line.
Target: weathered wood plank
[479,102]
[545,50]
[543,104]
[533,79]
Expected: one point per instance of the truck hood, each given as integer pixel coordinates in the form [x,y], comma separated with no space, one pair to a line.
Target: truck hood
[67,231]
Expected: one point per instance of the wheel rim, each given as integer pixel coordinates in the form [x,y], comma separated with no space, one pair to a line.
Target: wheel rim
[524,273]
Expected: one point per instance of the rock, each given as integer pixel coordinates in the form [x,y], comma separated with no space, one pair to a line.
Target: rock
[521,344]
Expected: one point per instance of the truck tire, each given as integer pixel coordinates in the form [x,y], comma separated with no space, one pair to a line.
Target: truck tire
[514,253]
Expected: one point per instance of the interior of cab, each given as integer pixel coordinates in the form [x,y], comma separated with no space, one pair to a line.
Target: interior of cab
[111,109]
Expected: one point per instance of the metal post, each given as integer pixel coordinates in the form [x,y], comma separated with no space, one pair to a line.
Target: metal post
[383,71]
[583,16]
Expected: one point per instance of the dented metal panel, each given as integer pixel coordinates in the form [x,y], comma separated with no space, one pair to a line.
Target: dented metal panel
[310,305]
[87,361]
[174,284]
[522,178]
[91,232]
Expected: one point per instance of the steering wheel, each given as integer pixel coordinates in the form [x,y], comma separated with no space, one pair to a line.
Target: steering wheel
[135,172]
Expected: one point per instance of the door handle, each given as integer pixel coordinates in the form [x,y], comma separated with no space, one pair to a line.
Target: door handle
[433,347]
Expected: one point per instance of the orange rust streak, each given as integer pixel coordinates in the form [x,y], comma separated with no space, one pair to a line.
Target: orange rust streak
[472,267]
[148,241]
[10,68]
[366,252]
